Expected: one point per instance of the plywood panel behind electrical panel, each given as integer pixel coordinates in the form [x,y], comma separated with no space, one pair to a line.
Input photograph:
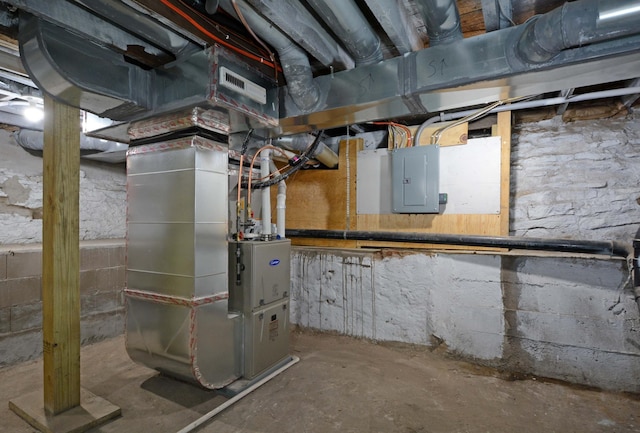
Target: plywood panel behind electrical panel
[325,199]
[450,135]
[471,224]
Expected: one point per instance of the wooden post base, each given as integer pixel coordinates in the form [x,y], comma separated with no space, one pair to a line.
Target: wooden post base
[93,411]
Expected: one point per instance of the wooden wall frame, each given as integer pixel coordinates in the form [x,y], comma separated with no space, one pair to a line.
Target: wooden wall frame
[326,199]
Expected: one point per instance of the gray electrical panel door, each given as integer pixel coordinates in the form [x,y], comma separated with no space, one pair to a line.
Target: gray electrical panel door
[415,179]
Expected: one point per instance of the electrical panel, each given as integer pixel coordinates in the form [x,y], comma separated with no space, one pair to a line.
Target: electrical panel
[415,179]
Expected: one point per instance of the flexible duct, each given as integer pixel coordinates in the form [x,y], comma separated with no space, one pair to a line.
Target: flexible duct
[442,19]
[295,64]
[34,140]
[301,26]
[350,25]
[301,142]
[576,24]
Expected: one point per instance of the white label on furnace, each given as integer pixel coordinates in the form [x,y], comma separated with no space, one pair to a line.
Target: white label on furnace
[238,83]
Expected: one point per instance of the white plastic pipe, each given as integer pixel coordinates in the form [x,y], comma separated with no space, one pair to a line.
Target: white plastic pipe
[281,208]
[206,417]
[265,159]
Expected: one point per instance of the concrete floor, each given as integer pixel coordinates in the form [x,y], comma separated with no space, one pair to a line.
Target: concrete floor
[341,384]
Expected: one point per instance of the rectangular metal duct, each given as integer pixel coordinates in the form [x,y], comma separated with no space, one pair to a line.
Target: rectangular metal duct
[177,289]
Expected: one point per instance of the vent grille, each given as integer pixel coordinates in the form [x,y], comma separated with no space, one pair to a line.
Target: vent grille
[240,84]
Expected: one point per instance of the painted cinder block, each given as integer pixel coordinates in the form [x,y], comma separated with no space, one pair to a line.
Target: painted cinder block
[26,316]
[3,266]
[22,264]
[20,291]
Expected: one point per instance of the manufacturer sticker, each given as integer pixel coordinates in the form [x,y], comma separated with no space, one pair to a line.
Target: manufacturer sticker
[274,262]
[273,330]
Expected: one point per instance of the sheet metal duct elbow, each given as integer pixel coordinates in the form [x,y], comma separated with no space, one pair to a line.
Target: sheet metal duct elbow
[347,21]
[102,82]
[295,64]
[576,24]
[442,19]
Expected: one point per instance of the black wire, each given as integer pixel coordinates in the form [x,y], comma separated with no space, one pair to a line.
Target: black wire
[304,158]
[245,143]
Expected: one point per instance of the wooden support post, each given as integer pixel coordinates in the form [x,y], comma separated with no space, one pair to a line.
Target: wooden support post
[62,407]
[61,257]
[503,129]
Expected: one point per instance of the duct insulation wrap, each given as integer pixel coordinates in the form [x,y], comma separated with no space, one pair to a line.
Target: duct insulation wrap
[177,253]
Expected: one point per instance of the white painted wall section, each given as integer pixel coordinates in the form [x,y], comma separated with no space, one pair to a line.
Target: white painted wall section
[102,197]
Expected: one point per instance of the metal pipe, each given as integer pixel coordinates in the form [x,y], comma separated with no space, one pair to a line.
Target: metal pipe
[346,20]
[575,24]
[207,416]
[442,19]
[297,22]
[295,64]
[608,248]
[443,117]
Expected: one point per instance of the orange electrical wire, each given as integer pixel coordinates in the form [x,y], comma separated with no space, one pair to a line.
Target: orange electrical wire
[232,47]
[251,32]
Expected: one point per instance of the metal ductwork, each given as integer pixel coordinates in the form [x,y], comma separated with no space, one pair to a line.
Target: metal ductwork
[295,64]
[577,24]
[102,82]
[347,21]
[585,42]
[442,19]
[297,22]
[469,72]
[396,23]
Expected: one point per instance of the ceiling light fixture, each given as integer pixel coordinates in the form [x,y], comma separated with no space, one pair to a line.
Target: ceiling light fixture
[33,113]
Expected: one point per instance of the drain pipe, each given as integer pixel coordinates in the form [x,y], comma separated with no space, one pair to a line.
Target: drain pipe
[295,64]
[608,248]
[442,19]
[265,171]
[281,208]
[575,24]
[346,20]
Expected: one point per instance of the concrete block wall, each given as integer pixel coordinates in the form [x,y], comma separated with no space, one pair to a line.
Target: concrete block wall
[567,318]
[102,278]
[561,317]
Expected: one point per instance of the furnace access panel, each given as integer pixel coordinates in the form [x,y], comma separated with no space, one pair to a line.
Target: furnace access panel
[263,299]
